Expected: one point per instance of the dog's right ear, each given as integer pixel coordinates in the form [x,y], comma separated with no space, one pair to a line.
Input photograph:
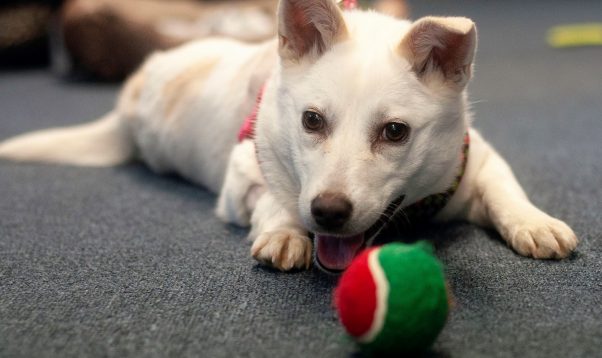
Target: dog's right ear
[308,28]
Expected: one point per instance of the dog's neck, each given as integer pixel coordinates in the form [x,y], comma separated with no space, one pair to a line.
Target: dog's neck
[428,207]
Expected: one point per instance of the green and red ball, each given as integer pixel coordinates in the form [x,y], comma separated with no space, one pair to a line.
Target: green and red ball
[393,298]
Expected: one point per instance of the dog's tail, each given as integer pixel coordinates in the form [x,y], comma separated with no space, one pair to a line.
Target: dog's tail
[104,142]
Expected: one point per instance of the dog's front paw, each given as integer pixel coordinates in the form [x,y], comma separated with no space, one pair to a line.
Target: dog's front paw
[543,237]
[283,249]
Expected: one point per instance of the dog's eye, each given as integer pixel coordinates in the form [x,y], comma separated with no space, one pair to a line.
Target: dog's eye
[396,132]
[313,121]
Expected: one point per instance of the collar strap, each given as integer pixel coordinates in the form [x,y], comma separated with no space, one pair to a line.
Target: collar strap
[247,130]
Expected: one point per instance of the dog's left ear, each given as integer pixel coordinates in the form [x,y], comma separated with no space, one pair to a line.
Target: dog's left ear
[441,48]
[308,28]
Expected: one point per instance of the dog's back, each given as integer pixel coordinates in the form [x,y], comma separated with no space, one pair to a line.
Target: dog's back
[178,113]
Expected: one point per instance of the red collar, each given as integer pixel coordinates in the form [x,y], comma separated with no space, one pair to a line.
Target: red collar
[247,130]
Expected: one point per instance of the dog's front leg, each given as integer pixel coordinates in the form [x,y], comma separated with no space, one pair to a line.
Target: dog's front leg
[496,199]
[279,240]
[242,186]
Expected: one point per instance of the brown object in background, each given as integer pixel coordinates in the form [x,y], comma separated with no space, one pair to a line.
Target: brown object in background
[110,38]
[23,34]
[23,23]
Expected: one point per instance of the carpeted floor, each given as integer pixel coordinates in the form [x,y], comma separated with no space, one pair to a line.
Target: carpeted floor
[121,262]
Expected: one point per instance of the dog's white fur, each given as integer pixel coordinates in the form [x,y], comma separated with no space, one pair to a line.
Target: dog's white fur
[181,111]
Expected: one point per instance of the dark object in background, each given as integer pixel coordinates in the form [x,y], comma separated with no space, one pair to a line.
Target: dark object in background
[23,33]
[108,39]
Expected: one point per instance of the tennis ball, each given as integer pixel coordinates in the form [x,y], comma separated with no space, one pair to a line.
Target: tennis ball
[393,298]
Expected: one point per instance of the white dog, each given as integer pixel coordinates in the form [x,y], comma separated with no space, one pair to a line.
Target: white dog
[361,116]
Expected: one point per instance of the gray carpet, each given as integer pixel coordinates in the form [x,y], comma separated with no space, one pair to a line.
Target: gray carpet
[121,262]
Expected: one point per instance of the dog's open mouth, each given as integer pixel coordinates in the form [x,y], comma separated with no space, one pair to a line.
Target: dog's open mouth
[335,253]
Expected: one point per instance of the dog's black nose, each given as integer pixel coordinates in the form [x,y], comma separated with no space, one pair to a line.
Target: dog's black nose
[331,210]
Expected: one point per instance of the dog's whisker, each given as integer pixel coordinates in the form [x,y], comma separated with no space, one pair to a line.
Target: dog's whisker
[478,101]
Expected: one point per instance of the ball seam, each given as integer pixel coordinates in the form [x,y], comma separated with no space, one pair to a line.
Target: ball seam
[382,294]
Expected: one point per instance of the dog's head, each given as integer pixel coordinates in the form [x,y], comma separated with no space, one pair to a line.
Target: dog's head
[364,110]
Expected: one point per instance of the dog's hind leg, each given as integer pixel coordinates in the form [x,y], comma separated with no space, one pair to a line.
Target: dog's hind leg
[104,142]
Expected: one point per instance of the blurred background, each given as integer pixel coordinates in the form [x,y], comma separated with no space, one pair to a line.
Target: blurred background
[107,39]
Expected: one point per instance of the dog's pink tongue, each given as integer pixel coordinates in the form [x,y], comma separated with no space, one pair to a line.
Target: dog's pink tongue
[336,253]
